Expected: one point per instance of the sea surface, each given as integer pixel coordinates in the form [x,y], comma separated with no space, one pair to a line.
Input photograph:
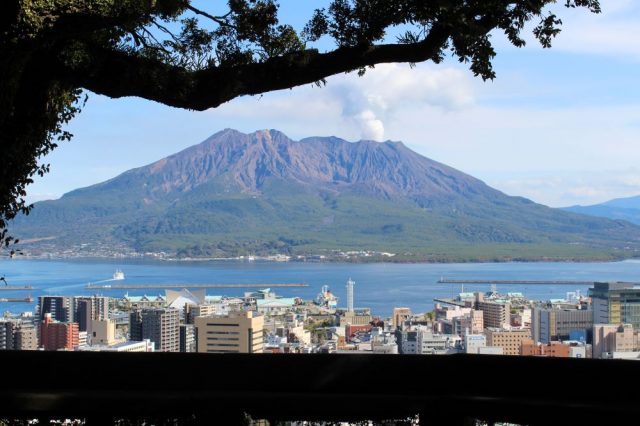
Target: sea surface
[379,286]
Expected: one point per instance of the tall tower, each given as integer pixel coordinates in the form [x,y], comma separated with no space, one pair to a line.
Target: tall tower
[350,284]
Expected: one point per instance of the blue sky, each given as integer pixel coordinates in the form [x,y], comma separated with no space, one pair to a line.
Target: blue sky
[559,126]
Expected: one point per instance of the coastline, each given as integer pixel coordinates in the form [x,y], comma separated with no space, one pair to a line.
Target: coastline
[361,260]
[378,286]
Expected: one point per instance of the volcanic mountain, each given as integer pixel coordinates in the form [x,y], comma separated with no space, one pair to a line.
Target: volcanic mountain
[261,193]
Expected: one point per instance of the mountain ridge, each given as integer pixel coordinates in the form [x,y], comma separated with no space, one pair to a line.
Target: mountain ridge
[235,192]
[627,208]
[248,160]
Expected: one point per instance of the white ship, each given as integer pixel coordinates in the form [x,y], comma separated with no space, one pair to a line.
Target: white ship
[118,275]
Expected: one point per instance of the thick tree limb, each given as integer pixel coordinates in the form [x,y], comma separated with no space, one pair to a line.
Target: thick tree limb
[116,74]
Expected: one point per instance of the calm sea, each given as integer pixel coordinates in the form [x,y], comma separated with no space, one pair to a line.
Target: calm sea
[379,286]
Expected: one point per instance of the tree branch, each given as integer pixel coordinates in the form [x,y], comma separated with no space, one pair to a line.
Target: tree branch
[217,19]
[209,88]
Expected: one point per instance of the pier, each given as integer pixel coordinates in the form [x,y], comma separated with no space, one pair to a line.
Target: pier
[517,282]
[449,301]
[15,287]
[27,299]
[183,285]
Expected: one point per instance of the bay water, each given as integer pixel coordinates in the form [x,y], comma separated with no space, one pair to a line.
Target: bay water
[379,286]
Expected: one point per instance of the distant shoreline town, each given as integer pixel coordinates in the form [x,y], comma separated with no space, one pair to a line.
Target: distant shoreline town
[334,256]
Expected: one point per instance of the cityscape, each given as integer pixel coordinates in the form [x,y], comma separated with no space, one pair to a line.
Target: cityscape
[602,324]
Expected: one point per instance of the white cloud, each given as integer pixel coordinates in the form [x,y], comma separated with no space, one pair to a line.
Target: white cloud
[359,106]
[614,32]
[562,189]
[388,88]
[608,37]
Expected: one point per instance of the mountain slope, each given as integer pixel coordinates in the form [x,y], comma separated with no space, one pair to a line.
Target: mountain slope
[262,193]
[618,209]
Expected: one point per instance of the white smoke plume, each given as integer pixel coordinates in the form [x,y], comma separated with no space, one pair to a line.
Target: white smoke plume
[371,100]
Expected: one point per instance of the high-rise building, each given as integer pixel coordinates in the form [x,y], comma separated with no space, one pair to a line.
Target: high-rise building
[551,324]
[162,327]
[135,326]
[400,315]
[616,303]
[495,314]
[18,335]
[90,308]
[194,311]
[25,336]
[83,313]
[58,335]
[239,332]
[60,308]
[187,338]
[610,338]
[472,323]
